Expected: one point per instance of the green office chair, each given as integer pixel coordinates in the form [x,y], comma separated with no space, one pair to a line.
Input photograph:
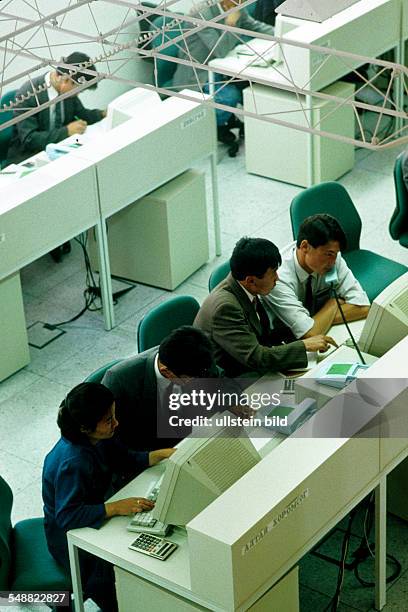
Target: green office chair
[97,375]
[5,135]
[399,221]
[373,271]
[218,275]
[166,69]
[25,562]
[161,320]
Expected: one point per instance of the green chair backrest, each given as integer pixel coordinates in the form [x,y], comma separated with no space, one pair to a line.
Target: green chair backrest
[6,503]
[161,320]
[218,275]
[96,377]
[166,69]
[5,135]
[330,198]
[399,220]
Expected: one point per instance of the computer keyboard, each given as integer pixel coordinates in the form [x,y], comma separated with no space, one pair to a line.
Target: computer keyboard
[144,521]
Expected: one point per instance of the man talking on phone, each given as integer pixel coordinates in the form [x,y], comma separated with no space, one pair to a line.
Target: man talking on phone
[301,303]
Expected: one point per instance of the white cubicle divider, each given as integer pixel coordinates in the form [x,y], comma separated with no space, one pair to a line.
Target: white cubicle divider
[41,211]
[150,149]
[368,28]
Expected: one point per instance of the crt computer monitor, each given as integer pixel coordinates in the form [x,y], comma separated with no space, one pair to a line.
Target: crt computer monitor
[387,321]
[130,104]
[199,471]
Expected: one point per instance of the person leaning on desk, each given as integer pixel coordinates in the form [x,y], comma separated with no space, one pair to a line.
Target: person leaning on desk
[209,43]
[78,478]
[238,324]
[55,123]
[302,303]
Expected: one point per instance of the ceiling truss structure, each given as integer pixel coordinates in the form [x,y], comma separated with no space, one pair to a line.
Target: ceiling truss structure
[32,37]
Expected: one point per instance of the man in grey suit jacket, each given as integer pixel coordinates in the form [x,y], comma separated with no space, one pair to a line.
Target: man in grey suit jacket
[53,124]
[209,43]
[238,324]
[141,385]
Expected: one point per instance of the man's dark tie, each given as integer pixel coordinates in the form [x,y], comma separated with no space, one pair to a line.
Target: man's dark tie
[309,301]
[58,115]
[263,319]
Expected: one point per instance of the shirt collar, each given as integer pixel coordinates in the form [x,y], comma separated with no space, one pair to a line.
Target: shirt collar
[250,296]
[300,272]
[52,92]
[159,375]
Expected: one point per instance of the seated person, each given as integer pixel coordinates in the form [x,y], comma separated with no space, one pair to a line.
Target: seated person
[52,124]
[77,480]
[265,10]
[142,384]
[55,123]
[302,298]
[209,43]
[405,169]
[238,324]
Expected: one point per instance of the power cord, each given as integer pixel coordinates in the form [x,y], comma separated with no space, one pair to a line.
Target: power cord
[92,293]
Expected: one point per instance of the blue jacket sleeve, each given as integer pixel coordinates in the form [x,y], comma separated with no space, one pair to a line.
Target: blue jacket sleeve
[123,460]
[73,481]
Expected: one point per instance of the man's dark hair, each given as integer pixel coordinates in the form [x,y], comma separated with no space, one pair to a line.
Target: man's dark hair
[321,229]
[79,60]
[187,351]
[83,408]
[253,257]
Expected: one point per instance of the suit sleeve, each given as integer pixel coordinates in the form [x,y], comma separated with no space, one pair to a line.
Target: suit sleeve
[89,115]
[232,332]
[32,138]
[73,480]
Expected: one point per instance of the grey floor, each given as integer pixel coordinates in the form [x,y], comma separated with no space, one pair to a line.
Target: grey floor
[250,205]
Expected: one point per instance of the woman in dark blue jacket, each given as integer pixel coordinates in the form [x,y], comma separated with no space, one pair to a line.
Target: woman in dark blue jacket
[80,473]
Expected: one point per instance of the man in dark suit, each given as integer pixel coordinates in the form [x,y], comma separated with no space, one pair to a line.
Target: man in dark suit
[238,324]
[53,124]
[141,385]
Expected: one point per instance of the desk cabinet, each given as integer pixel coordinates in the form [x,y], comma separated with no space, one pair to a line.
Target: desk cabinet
[281,153]
[131,589]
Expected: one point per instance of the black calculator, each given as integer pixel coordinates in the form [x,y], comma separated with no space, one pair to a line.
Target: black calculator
[151,545]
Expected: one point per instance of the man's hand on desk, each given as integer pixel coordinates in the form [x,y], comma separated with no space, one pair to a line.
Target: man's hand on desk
[76,127]
[319,343]
[125,507]
[159,454]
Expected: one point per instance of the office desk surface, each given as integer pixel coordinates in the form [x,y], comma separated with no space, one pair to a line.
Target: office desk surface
[43,209]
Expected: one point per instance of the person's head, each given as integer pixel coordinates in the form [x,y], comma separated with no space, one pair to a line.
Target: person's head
[254,263]
[186,353]
[87,413]
[66,79]
[319,240]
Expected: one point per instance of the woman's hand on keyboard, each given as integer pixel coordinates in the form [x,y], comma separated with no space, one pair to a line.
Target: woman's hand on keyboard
[159,454]
[130,505]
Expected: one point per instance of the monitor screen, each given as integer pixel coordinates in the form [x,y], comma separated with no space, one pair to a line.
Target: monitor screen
[387,321]
[200,470]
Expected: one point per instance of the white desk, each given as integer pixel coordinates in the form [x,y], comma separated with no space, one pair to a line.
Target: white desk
[369,28]
[56,202]
[242,544]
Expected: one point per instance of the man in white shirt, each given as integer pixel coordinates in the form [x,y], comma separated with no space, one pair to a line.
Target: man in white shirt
[302,299]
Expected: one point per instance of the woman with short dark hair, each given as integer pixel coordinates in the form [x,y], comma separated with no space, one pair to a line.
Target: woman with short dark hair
[79,475]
